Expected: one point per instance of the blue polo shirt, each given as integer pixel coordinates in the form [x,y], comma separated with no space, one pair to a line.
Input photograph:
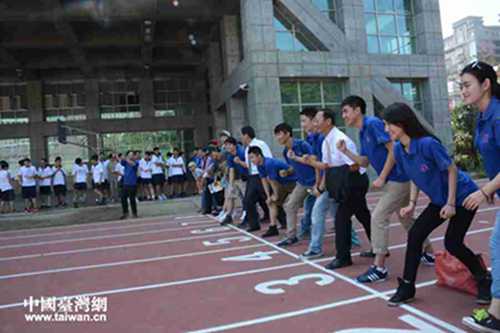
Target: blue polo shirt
[270,169]
[316,141]
[129,173]
[373,138]
[427,164]
[240,152]
[198,161]
[487,138]
[305,173]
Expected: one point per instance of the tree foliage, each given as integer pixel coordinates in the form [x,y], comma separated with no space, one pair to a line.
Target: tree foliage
[463,124]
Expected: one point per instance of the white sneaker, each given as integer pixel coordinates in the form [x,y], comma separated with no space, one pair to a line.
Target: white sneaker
[221,216]
[243,215]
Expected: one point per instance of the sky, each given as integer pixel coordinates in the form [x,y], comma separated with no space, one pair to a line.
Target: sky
[454,10]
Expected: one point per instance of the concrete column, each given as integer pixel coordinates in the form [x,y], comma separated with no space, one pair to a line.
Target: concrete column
[92,98]
[350,18]
[259,44]
[38,144]
[230,39]
[146,97]
[201,116]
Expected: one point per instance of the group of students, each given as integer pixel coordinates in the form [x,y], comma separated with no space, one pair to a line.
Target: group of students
[103,172]
[326,172]
[46,177]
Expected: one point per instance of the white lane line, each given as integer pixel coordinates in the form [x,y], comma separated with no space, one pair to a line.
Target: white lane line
[301,312]
[285,315]
[60,241]
[168,284]
[347,279]
[110,247]
[139,221]
[189,217]
[125,262]
[118,263]
[128,226]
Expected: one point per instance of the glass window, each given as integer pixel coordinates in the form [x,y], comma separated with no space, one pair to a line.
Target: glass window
[119,99]
[296,95]
[14,150]
[173,97]
[67,152]
[64,101]
[289,37]
[390,26]
[412,92]
[13,104]
[327,7]
[166,140]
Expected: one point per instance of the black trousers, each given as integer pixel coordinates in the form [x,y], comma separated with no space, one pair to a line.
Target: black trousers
[429,220]
[353,204]
[129,193]
[254,194]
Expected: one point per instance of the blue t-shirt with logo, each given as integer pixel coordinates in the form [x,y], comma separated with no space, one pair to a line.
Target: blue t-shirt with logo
[426,164]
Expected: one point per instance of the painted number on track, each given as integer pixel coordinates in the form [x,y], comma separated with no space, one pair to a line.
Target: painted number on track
[229,240]
[256,256]
[269,288]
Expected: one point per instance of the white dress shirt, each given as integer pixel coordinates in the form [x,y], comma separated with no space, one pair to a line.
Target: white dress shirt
[334,157]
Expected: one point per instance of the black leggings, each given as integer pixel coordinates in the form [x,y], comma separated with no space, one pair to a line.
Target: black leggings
[453,240]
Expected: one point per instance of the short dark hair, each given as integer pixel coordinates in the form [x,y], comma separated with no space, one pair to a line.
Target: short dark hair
[4,165]
[328,114]
[94,157]
[156,148]
[354,102]
[284,128]
[231,141]
[147,153]
[78,160]
[255,150]
[309,112]
[248,130]
[58,158]
[26,160]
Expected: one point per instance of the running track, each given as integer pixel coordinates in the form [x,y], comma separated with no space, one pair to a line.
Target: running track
[186,273]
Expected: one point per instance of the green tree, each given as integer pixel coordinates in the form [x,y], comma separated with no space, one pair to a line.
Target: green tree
[463,124]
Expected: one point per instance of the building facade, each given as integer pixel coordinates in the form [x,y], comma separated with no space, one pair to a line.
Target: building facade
[471,40]
[191,69]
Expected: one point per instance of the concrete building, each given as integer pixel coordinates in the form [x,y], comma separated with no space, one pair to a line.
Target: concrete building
[471,40]
[193,67]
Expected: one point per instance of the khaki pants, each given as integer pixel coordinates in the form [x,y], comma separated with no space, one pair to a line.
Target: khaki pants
[292,205]
[396,196]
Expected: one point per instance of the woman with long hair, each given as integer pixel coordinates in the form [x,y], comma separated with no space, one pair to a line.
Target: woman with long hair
[480,88]
[426,162]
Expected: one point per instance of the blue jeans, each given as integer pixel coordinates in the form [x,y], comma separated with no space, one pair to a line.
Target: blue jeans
[318,216]
[495,258]
[306,221]
[321,206]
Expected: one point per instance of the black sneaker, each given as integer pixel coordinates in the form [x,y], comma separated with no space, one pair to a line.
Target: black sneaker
[404,294]
[227,220]
[287,242]
[482,321]
[337,263]
[123,217]
[373,274]
[428,259]
[484,289]
[252,229]
[272,231]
